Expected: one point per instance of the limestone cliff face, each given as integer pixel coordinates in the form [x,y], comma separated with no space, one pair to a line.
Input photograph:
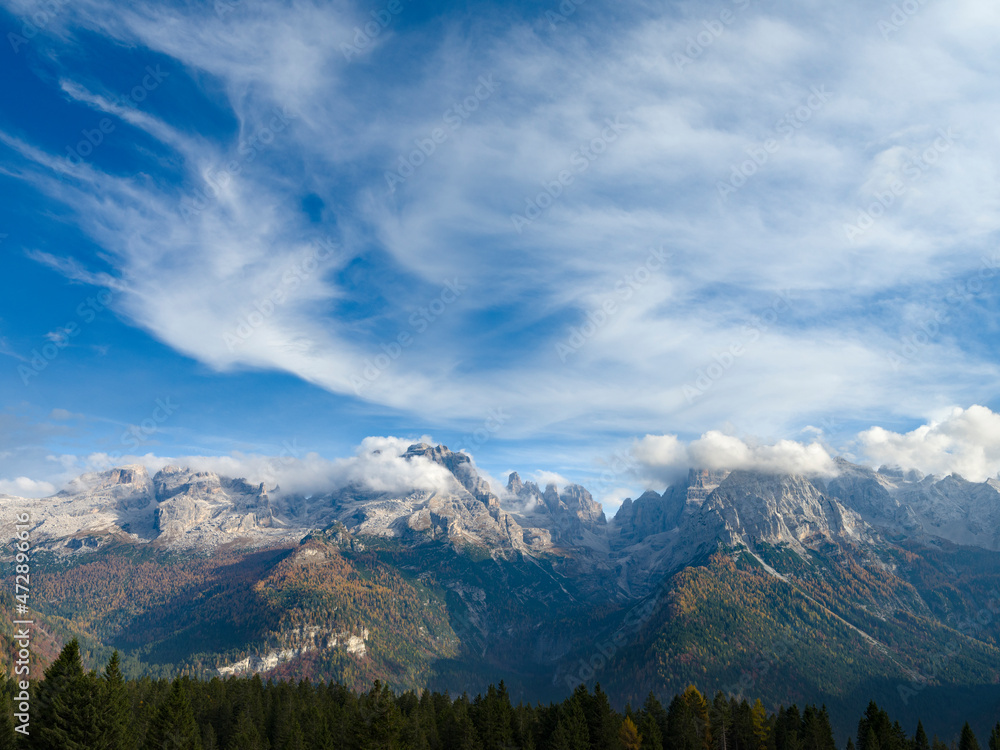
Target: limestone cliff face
[188,500]
[466,512]
[572,517]
[648,535]
[656,534]
[915,505]
[124,488]
[650,514]
[300,641]
[749,507]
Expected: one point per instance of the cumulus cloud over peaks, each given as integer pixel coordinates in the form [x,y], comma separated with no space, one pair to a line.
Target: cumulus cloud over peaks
[961,441]
[25,487]
[964,441]
[377,465]
[666,458]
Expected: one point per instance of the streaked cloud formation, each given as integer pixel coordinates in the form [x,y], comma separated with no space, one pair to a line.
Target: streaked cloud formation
[732,213]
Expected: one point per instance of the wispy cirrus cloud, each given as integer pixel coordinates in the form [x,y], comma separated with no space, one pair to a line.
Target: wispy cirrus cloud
[193,277]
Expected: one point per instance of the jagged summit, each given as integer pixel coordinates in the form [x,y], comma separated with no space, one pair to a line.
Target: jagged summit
[460,465]
[514,484]
[187,507]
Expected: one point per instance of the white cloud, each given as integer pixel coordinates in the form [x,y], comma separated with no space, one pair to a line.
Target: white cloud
[666,459]
[544,478]
[64,414]
[964,441]
[377,466]
[25,487]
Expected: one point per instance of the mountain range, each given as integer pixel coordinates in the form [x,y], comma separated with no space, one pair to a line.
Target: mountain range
[864,584]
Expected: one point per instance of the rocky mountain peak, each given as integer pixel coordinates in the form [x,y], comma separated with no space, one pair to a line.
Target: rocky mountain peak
[514,484]
[649,514]
[779,508]
[578,501]
[460,465]
[122,487]
[701,482]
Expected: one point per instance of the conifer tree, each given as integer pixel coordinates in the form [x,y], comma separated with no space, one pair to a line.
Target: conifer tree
[758,723]
[967,740]
[575,722]
[174,727]
[628,735]
[867,739]
[920,741]
[687,722]
[66,717]
[721,722]
[994,742]
[297,741]
[245,734]
[825,740]
[649,731]
[602,721]
[116,709]
[492,715]
[8,737]
[560,738]
[655,710]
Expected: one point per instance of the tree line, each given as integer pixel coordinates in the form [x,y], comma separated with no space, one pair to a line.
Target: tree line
[73,709]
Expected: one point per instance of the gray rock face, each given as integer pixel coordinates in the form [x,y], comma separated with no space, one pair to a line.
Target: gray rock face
[191,501]
[657,534]
[466,513]
[460,465]
[125,488]
[911,504]
[780,509]
[648,537]
[650,514]
[572,517]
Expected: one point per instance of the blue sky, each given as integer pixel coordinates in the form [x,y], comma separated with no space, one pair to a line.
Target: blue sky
[551,234]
